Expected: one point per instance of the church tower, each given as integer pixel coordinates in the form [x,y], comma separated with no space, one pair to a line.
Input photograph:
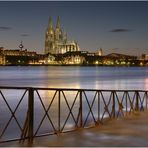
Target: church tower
[50,30]
[56,41]
[49,37]
[58,31]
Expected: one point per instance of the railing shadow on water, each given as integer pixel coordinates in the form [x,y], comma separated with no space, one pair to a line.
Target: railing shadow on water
[26,113]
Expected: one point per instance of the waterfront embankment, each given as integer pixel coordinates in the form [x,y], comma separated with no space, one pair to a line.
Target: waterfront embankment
[129,131]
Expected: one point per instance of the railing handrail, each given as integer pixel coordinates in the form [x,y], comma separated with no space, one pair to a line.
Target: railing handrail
[73,89]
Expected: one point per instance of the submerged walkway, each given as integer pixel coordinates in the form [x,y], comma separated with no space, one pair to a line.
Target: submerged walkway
[129,131]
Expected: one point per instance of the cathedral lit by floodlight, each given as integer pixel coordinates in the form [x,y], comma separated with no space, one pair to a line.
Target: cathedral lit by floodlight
[56,41]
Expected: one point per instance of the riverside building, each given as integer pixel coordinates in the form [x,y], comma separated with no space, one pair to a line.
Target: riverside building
[20,56]
[56,41]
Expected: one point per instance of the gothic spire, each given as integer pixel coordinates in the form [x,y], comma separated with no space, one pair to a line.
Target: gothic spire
[58,25]
[50,23]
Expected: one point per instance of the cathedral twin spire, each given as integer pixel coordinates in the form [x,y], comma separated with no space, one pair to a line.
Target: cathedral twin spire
[54,34]
[58,23]
[56,39]
[50,24]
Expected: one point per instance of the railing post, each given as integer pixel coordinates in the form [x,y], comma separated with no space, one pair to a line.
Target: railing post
[146,95]
[80,110]
[113,106]
[137,101]
[126,102]
[99,104]
[59,112]
[31,114]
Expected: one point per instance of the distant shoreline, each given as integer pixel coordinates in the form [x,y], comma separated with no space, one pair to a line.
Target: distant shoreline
[77,65]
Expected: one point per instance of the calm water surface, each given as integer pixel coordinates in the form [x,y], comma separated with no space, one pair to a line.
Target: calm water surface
[75,77]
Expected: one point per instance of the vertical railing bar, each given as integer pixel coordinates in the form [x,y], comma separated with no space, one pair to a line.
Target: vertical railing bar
[146,99]
[126,102]
[109,101]
[99,106]
[59,112]
[81,107]
[119,104]
[31,114]
[137,101]
[113,105]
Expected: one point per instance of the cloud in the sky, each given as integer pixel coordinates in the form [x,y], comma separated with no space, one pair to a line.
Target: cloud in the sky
[24,35]
[115,49]
[120,30]
[3,28]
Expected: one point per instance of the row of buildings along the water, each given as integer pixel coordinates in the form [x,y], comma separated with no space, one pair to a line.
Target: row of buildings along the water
[59,50]
[63,51]
[20,56]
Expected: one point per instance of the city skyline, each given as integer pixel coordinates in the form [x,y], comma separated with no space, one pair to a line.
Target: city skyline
[114,26]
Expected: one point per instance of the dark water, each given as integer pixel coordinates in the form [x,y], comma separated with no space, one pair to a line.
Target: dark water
[76,77]
[61,77]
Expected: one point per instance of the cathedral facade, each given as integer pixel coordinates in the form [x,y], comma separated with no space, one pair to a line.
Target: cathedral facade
[56,41]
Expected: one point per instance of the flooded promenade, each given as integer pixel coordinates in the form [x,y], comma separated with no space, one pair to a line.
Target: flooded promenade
[129,131]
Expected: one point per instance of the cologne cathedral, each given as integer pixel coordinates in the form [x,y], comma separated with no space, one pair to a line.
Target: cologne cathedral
[56,41]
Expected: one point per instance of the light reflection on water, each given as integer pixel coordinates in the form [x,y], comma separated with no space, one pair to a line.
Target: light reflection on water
[66,77]
[146,84]
[75,77]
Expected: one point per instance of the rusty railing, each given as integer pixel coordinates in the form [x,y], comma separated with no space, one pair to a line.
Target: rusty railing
[27,112]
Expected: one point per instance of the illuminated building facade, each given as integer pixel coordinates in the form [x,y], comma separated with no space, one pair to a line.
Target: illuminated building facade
[56,41]
[20,57]
[144,57]
[100,52]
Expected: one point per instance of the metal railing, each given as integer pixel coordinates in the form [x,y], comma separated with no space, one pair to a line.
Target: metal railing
[44,111]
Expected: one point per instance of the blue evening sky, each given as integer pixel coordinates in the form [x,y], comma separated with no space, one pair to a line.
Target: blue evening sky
[114,26]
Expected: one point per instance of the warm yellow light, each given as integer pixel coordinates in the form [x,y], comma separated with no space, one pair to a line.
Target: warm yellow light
[97,62]
[141,63]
